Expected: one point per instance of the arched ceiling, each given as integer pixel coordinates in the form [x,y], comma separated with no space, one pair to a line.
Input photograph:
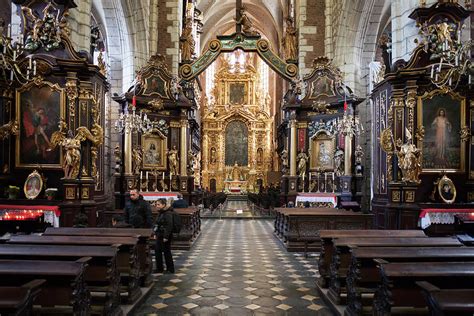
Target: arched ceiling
[219,18]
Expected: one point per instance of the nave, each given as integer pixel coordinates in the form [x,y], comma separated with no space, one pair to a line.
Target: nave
[237,267]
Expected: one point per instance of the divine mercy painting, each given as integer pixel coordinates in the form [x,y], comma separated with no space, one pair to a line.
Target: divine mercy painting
[39,109]
[441,118]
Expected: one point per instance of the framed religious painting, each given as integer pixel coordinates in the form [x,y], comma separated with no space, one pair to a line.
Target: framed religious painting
[441,116]
[447,190]
[321,148]
[237,93]
[322,86]
[154,152]
[39,107]
[33,185]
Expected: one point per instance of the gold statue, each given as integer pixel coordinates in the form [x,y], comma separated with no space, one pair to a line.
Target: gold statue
[235,173]
[247,26]
[289,41]
[339,162]
[173,160]
[302,159]
[409,160]
[10,128]
[137,158]
[72,156]
[191,162]
[186,41]
[284,161]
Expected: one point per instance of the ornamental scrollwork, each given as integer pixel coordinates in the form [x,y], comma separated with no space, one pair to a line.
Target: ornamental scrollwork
[465,133]
[328,127]
[10,128]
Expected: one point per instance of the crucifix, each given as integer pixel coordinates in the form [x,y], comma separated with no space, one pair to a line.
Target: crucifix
[238,6]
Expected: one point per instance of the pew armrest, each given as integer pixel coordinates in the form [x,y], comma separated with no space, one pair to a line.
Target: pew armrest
[379,261]
[34,284]
[84,259]
[427,286]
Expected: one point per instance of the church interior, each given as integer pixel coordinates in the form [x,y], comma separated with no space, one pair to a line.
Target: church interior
[287,157]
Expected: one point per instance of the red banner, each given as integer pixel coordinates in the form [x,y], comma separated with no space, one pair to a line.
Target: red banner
[301,139]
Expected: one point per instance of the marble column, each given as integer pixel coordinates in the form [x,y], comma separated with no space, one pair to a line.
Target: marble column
[128,151]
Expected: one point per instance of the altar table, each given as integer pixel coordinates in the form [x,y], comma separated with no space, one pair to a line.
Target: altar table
[440,216]
[30,212]
[317,199]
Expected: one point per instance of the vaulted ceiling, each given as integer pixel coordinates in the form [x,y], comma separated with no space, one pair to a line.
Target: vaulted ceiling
[219,18]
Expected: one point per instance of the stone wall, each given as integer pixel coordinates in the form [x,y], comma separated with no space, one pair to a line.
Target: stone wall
[169,24]
[311,23]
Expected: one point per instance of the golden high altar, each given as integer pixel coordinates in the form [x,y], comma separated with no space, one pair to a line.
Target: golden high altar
[237,129]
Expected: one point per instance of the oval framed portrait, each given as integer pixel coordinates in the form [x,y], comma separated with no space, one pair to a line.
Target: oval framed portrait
[447,190]
[33,185]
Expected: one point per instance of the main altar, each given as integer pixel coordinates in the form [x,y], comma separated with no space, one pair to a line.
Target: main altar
[237,131]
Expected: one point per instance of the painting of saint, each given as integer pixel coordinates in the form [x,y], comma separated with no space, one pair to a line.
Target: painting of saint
[322,86]
[237,93]
[33,185]
[155,85]
[153,153]
[441,118]
[236,144]
[38,111]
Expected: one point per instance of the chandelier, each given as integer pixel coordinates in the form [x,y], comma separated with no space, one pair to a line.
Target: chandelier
[9,59]
[443,41]
[349,124]
[133,122]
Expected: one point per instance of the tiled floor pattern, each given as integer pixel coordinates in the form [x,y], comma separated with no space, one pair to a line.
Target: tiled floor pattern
[238,268]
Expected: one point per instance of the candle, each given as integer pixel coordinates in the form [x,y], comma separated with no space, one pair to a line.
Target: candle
[432,71]
[141,176]
[310,177]
[30,62]
[163,175]
[34,67]
[333,177]
[147,176]
[9,32]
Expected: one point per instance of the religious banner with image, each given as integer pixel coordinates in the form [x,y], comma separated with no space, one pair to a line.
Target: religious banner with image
[441,117]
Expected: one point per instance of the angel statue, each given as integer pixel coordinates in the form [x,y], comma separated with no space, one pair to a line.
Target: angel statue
[72,148]
[173,160]
[338,162]
[302,159]
[191,162]
[137,158]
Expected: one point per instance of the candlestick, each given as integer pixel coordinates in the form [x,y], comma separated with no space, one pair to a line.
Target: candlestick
[325,182]
[333,183]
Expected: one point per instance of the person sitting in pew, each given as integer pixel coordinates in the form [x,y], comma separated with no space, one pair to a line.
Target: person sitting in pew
[119,222]
[180,202]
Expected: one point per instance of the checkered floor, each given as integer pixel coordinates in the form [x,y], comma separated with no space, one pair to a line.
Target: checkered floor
[237,267]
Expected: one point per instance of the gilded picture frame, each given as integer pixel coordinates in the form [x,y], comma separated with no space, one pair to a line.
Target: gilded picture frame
[154,151]
[441,116]
[33,185]
[39,107]
[321,148]
[447,190]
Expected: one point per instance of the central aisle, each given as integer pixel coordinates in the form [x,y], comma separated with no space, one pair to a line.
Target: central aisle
[237,267]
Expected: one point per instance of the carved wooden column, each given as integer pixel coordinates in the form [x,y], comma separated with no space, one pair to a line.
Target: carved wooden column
[183,148]
[293,178]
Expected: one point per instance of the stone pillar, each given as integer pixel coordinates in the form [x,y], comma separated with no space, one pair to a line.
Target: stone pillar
[293,148]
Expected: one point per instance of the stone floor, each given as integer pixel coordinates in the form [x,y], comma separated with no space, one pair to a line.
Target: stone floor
[237,267]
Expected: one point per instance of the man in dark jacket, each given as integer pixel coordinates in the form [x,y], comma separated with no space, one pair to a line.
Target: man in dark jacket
[163,234]
[138,211]
[180,202]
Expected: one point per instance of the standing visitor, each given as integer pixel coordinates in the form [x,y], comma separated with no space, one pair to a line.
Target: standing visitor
[163,234]
[138,211]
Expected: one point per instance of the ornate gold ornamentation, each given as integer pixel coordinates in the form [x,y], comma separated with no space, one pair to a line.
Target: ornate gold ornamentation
[410,196]
[396,196]
[465,133]
[386,140]
[10,128]
[137,159]
[420,133]
[72,94]
[70,193]
[47,31]
[321,107]
[410,104]
[156,104]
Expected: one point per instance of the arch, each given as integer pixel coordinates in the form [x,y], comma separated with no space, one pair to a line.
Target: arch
[238,41]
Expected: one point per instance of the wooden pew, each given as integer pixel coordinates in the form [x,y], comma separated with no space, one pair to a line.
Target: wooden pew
[442,302]
[300,226]
[341,256]
[127,257]
[64,286]
[143,247]
[18,300]
[399,293]
[363,276]
[327,246]
[101,274]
